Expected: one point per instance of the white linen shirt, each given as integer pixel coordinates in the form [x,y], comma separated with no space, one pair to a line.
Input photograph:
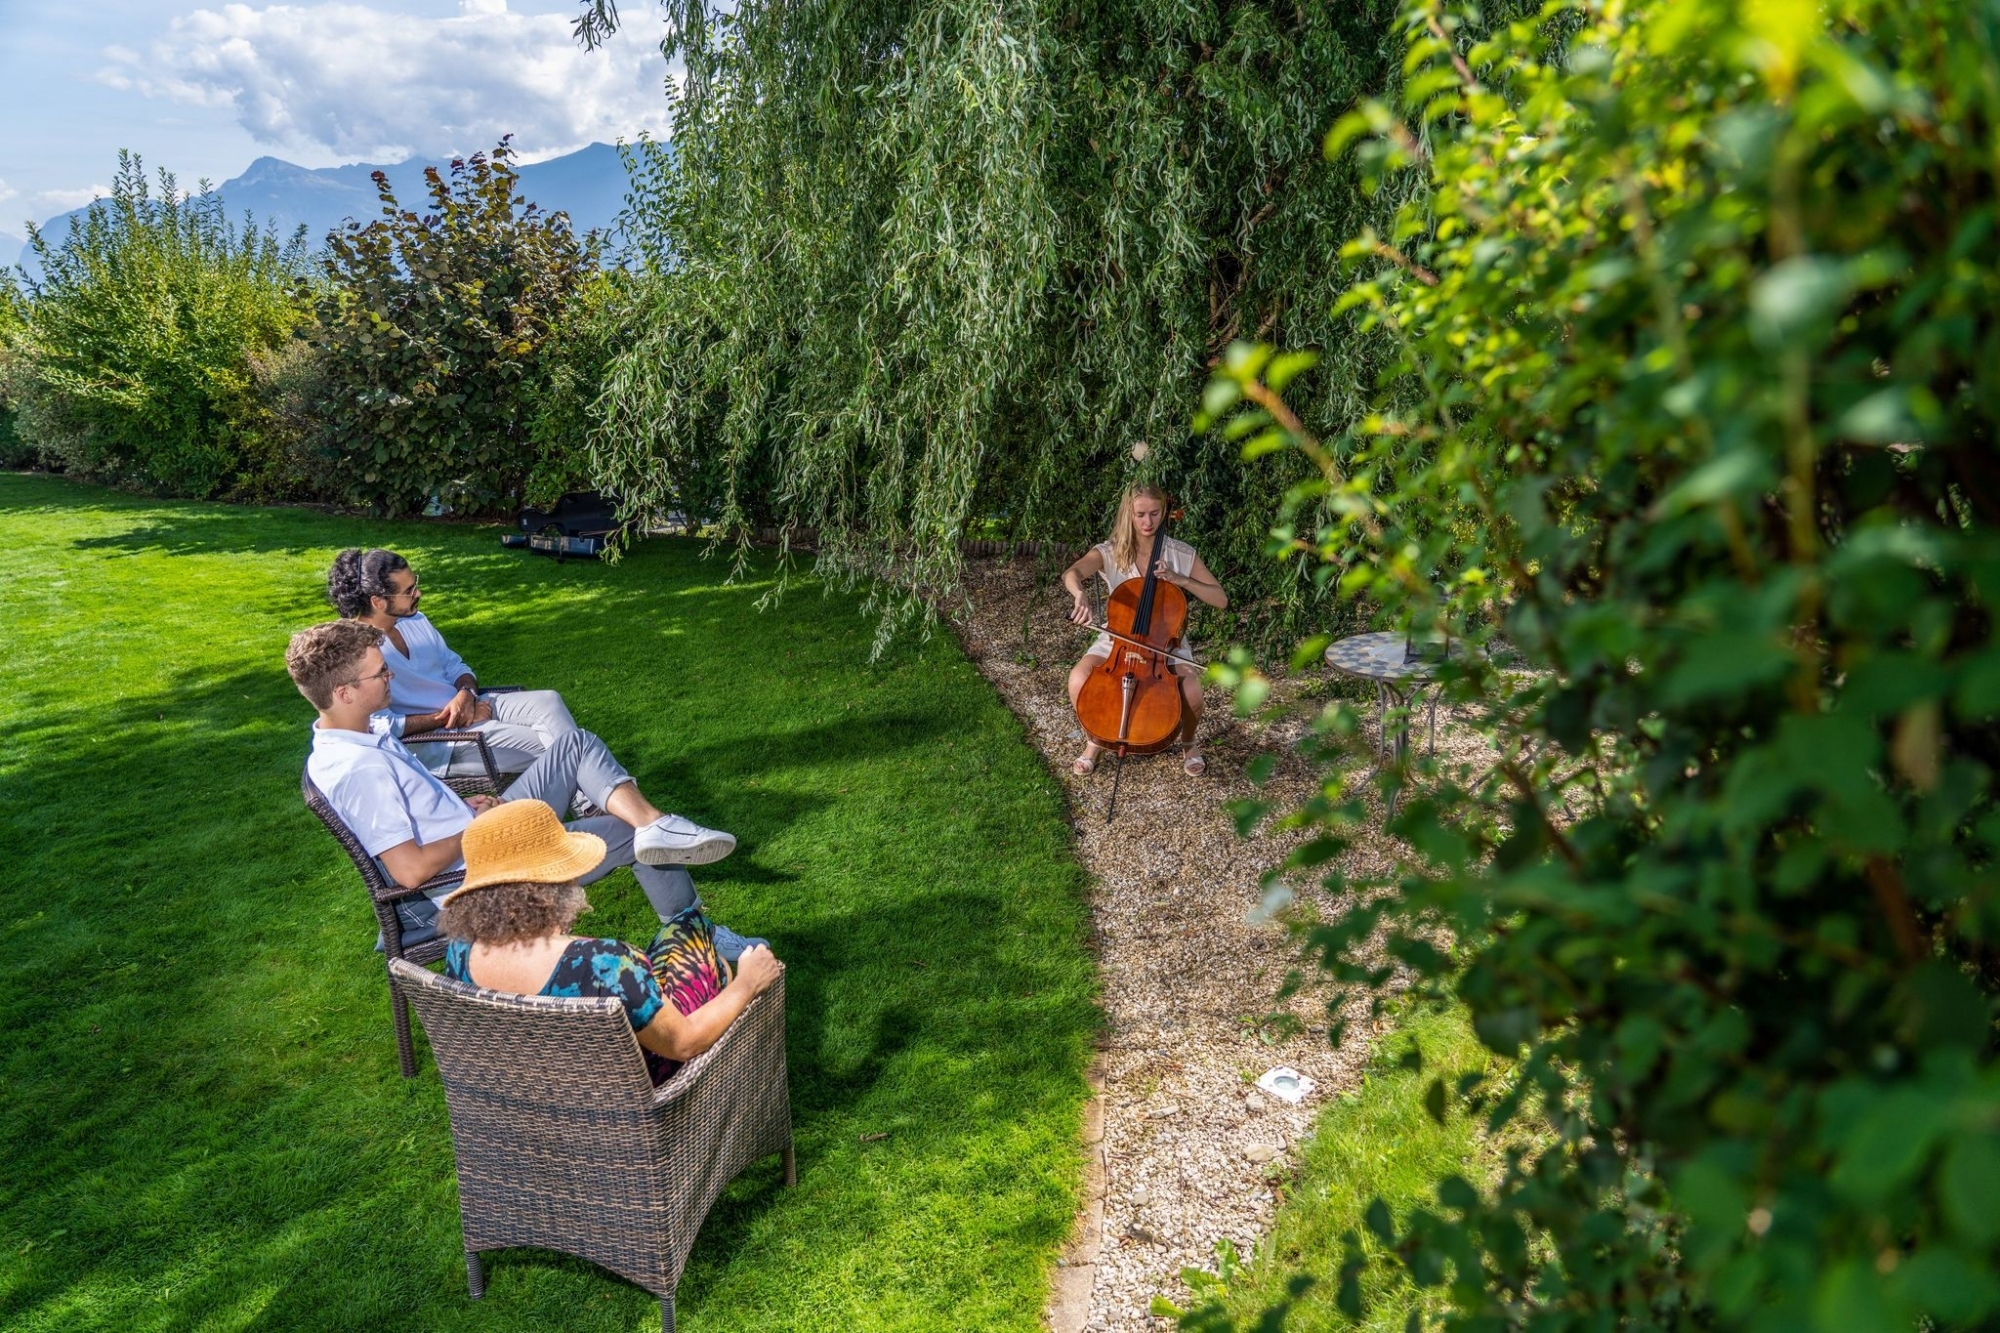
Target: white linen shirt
[382,792]
[423,682]
[1180,558]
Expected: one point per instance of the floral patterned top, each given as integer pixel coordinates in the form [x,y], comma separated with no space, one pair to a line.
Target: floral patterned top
[591,967]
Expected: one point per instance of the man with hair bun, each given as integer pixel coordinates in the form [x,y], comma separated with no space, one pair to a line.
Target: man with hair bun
[432,688]
[411,822]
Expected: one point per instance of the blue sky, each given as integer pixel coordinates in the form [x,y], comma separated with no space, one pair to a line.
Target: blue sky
[203,88]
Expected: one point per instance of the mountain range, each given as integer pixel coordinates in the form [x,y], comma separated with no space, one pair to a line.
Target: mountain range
[588,184]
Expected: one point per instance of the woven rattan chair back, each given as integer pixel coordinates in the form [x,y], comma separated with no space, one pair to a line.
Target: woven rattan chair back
[563,1143]
[384,893]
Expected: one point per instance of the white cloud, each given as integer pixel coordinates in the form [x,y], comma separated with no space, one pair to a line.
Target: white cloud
[45,204]
[38,206]
[362,82]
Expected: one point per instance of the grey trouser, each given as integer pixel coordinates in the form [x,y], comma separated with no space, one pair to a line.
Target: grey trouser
[577,761]
[523,725]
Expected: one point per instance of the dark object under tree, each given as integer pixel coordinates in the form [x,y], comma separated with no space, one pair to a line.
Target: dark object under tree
[579,523]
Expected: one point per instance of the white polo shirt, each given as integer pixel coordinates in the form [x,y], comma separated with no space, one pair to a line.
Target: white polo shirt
[382,792]
[423,682]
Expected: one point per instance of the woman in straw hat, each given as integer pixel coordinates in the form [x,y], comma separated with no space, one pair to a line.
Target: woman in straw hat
[509,923]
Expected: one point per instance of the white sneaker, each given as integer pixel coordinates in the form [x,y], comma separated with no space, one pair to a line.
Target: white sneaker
[674,841]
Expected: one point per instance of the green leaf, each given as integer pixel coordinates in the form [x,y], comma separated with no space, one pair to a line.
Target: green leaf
[1270,442]
[1726,666]
[1288,366]
[1221,394]
[1457,1193]
[1712,1195]
[1969,1188]
[1310,651]
[1883,417]
[1947,1285]
[1796,300]
[1246,360]
[1978,695]
[1850,1298]
[1739,474]
[1888,1145]
[1941,1008]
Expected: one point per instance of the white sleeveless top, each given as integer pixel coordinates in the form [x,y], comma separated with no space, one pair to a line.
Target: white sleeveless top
[1180,559]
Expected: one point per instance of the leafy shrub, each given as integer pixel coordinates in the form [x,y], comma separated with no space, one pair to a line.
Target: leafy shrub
[1702,325]
[292,454]
[138,334]
[431,328]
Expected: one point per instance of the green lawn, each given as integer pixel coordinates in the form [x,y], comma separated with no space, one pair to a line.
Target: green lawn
[1377,1141]
[202,1120]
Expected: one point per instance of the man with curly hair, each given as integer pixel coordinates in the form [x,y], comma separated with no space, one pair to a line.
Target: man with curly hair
[410,821]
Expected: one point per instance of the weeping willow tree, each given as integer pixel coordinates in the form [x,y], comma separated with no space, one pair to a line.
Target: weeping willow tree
[924,270]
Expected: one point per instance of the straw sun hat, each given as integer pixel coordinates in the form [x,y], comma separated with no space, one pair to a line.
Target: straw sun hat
[519,841]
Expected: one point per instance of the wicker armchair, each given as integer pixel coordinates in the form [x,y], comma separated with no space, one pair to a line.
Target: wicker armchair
[384,893]
[564,1144]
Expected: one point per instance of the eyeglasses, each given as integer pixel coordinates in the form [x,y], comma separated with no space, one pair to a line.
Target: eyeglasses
[383,674]
[410,591]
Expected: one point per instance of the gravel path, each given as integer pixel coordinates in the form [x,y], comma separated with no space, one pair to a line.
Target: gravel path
[1189,1152]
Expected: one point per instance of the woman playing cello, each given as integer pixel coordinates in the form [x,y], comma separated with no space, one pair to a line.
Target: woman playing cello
[1140,514]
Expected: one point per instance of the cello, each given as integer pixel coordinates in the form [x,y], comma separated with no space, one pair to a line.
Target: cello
[1132,703]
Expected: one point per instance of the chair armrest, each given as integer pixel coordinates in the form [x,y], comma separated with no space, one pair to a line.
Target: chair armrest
[760,1018]
[457,737]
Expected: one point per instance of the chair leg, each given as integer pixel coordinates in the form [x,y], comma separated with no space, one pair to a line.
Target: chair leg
[666,1314]
[791,1167]
[475,1274]
[399,1013]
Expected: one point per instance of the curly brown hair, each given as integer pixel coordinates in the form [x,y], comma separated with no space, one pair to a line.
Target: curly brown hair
[358,577]
[322,657]
[511,913]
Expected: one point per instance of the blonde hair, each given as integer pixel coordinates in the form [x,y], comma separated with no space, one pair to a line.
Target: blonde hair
[1125,533]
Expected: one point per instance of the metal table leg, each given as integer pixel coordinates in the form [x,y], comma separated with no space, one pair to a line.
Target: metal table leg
[1395,744]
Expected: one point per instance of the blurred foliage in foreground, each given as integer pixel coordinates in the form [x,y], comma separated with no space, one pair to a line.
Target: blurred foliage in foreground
[1699,372]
